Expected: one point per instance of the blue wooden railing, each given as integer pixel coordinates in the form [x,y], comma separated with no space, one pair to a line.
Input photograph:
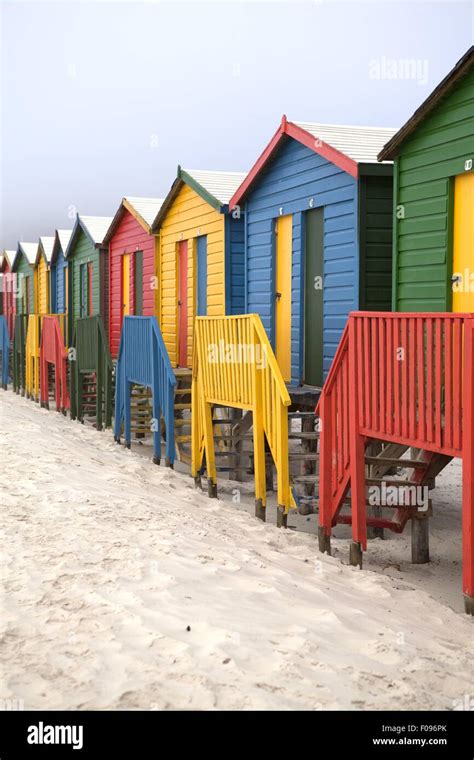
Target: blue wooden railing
[143,360]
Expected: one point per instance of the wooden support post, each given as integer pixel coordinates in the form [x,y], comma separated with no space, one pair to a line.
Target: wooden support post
[420,542]
[325,467]
[156,409]
[236,444]
[324,541]
[468,468]
[259,442]
[209,446]
[127,416]
[260,510]
[355,554]
[356,449]
[99,384]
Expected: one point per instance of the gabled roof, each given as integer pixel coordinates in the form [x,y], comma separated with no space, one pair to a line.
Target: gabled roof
[61,242]
[6,259]
[45,249]
[144,210]
[345,146]
[94,227]
[216,188]
[462,67]
[28,250]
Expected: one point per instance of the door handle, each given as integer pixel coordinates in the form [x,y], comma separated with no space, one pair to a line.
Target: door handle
[180,303]
[456,278]
[277,296]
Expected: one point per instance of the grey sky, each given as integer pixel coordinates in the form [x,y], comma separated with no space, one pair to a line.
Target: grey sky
[103,99]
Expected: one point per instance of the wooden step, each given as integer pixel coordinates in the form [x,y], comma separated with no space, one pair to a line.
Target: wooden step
[394,462]
[305,479]
[311,456]
[308,436]
[228,437]
[389,481]
[183,438]
[301,415]
[182,406]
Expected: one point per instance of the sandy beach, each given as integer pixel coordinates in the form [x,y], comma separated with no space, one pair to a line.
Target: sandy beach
[124,587]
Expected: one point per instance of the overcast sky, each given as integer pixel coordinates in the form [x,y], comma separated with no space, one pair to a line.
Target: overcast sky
[104,99]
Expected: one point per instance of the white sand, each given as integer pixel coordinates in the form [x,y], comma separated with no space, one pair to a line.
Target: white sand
[106,559]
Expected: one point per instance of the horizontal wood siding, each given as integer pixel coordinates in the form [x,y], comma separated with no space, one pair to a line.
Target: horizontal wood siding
[104,287]
[376,224]
[129,237]
[25,269]
[42,295]
[428,161]
[236,280]
[84,252]
[294,177]
[58,272]
[188,217]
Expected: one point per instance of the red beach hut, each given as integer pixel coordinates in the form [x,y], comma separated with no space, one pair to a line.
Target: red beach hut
[133,283]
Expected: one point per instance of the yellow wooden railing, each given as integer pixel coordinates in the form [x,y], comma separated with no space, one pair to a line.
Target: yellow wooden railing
[234,366]
[33,342]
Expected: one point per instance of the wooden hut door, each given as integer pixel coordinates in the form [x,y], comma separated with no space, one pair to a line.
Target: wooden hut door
[202,276]
[283,248]
[463,243]
[313,307]
[183,303]
[125,284]
[26,294]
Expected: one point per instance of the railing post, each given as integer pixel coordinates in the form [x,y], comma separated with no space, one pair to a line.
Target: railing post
[282,464]
[99,378]
[356,451]
[468,468]
[156,410]
[325,474]
[206,416]
[258,439]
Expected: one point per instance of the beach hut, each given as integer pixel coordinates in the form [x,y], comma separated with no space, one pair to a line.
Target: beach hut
[433,155]
[133,283]
[318,236]
[7,290]
[59,278]
[200,262]
[23,268]
[41,273]
[87,260]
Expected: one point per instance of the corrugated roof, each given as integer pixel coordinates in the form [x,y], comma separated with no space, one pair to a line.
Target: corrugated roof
[146,207]
[361,144]
[30,250]
[64,238]
[221,185]
[96,226]
[47,244]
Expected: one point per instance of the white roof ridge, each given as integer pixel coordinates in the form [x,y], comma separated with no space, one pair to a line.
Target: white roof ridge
[341,126]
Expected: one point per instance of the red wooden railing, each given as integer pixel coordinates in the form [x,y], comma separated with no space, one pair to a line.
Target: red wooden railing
[401,378]
[53,351]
